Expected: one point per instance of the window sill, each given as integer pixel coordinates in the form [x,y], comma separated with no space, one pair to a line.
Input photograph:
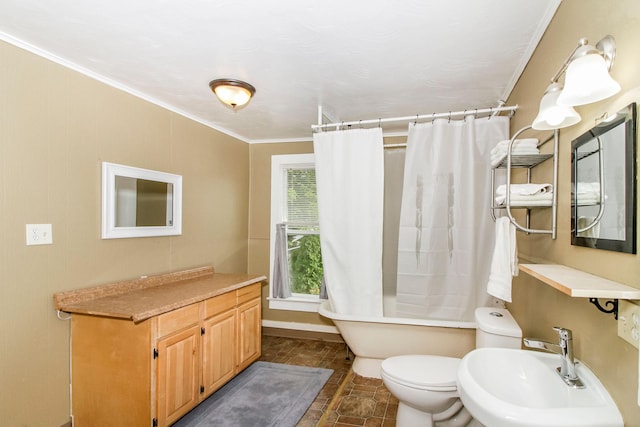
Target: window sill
[295,304]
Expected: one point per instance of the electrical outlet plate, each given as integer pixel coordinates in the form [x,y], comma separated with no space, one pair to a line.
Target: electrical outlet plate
[629,322]
[39,234]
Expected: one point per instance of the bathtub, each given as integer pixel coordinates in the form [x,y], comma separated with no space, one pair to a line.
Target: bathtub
[373,339]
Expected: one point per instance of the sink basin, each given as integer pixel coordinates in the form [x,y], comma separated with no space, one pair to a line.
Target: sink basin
[511,388]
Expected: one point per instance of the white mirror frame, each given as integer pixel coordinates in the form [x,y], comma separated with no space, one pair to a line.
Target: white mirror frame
[109,230]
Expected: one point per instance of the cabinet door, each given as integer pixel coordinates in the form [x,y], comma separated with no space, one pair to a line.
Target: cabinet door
[249,330]
[178,363]
[219,351]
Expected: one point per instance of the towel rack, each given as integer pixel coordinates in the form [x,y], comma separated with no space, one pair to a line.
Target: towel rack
[527,161]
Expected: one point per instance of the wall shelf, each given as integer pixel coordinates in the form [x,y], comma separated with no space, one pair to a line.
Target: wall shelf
[576,283]
[527,161]
[523,161]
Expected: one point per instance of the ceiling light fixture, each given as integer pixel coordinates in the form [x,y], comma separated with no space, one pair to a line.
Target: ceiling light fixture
[587,80]
[232,92]
[552,115]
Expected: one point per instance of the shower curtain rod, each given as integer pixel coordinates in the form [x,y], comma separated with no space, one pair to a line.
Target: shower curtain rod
[490,111]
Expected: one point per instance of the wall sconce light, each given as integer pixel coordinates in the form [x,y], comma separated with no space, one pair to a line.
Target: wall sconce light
[587,80]
[232,92]
[552,115]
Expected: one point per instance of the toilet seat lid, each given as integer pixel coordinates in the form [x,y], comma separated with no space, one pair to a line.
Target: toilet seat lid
[423,371]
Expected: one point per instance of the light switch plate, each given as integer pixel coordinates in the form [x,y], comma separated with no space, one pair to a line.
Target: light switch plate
[39,234]
[629,322]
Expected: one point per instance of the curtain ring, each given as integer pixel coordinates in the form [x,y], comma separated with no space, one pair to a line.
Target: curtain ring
[360,122]
[379,122]
[464,116]
[475,115]
[449,121]
[490,113]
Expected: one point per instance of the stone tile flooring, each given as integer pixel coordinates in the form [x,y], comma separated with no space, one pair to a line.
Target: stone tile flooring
[346,399]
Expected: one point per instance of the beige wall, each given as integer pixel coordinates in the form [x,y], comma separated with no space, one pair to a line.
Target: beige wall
[56,127]
[536,306]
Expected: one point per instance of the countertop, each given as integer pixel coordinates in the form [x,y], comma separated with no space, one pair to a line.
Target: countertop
[145,297]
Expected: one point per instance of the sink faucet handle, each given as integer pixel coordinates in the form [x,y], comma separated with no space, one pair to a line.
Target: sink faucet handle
[565,334]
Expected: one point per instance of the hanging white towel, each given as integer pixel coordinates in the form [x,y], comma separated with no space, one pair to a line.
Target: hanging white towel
[504,264]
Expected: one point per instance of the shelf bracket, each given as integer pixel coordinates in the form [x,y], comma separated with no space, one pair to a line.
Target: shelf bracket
[613,303]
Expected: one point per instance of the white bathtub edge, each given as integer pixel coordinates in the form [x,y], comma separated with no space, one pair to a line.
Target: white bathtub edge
[325,310]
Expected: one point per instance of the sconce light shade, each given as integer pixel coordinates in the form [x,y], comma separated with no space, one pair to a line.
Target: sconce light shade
[587,78]
[234,93]
[551,115]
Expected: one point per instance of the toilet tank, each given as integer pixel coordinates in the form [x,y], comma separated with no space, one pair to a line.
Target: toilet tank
[496,327]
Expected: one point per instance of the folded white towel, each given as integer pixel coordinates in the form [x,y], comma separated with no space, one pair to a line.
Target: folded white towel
[587,187]
[524,189]
[530,203]
[540,199]
[521,141]
[586,193]
[527,143]
[504,263]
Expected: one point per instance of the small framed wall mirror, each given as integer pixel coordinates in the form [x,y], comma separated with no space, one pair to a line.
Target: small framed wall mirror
[603,184]
[140,202]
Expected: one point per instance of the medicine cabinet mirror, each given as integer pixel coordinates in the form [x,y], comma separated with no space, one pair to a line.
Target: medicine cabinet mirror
[140,202]
[603,183]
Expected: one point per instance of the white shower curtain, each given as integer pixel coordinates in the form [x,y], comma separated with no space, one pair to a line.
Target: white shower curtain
[446,233]
[350,185]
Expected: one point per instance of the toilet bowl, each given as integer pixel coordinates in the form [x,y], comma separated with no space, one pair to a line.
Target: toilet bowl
[425,385]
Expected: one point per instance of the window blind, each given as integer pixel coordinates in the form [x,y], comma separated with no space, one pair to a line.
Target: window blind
[302,199]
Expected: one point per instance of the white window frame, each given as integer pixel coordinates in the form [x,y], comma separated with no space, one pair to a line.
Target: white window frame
[279,165]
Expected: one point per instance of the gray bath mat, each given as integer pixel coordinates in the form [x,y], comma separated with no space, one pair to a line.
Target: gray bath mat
[265,394]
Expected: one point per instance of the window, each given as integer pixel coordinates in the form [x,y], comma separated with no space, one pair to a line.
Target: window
[294,203]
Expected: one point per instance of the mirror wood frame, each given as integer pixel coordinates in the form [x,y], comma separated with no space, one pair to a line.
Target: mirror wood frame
[109,228]
[628,119]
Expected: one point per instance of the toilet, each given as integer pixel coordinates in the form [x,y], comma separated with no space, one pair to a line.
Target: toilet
[425,385]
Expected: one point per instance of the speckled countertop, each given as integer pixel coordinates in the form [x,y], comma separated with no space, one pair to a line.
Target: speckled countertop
[140,299]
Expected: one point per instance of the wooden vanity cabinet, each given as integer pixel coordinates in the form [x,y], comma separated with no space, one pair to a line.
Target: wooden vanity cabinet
[177,355]
[249,326]
[219,357]
[153,372]
[111,371]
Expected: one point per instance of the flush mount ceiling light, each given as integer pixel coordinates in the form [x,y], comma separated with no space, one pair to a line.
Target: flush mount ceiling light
[232,92]
[587,80]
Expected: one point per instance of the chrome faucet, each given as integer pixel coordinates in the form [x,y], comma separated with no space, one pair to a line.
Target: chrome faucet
[564,348]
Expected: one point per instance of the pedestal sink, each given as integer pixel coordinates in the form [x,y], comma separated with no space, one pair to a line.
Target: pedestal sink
[512,388]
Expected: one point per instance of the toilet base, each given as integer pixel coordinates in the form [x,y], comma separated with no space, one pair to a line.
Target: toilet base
[455,416]
[408,416]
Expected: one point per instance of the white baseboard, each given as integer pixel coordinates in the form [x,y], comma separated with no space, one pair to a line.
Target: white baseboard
[300,326]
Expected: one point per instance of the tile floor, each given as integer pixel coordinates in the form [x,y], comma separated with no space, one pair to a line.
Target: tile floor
[346,399]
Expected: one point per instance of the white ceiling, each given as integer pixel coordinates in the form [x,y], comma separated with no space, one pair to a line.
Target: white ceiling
[358,59]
